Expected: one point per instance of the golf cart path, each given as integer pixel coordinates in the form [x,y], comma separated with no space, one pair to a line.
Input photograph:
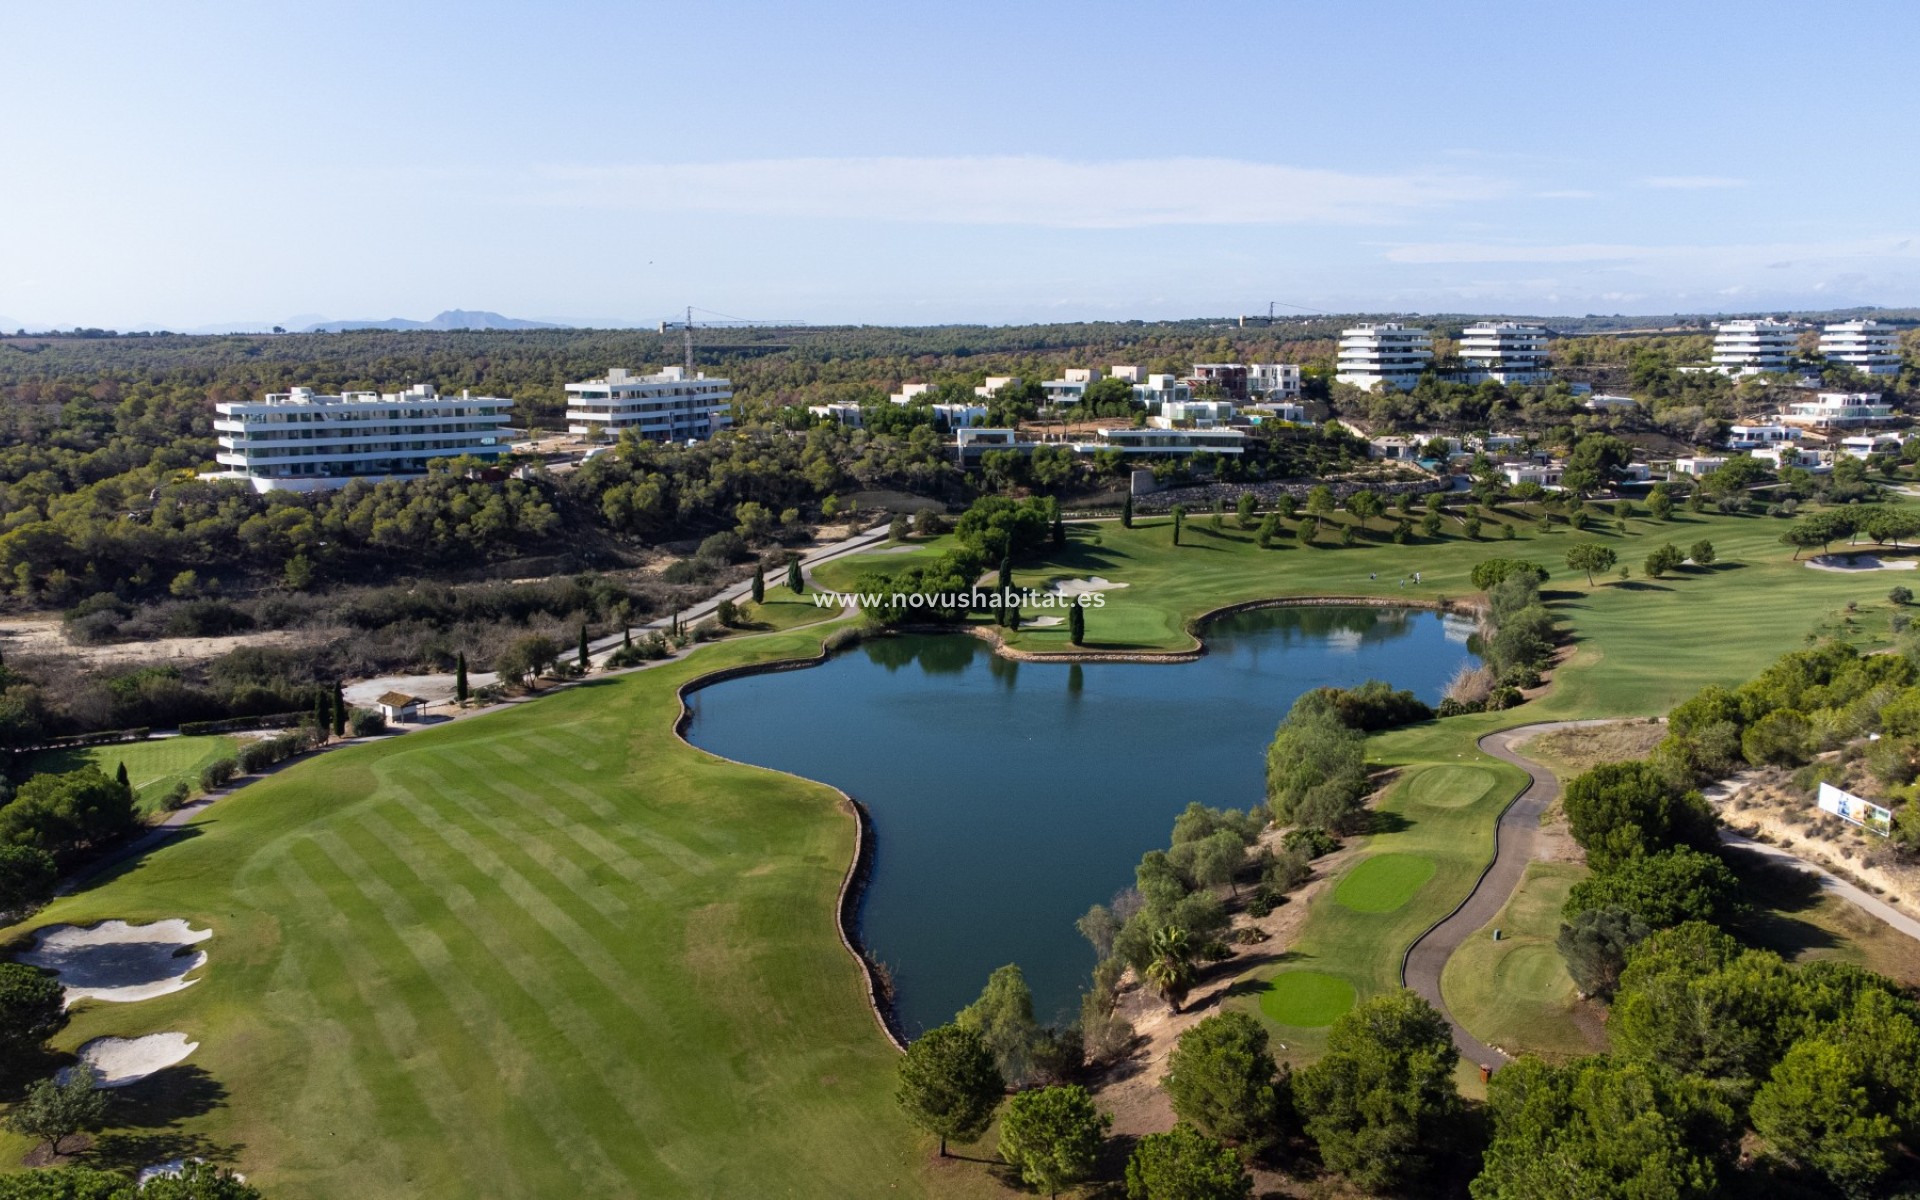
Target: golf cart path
[1516,843]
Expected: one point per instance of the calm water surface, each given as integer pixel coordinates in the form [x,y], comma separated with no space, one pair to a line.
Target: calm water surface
[1008,797]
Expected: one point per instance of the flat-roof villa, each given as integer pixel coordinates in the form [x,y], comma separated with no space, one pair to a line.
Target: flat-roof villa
[1391,353]
[1699,464]
[1072,385]
[1865,445]
[668,406]
[1834,409]
[1606,403]
[1200,414]
[994,384]
[1753,437]
[1546,475]
[973,442]
[301,440]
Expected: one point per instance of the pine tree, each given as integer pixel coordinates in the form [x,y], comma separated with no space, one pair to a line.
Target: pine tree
[585,661]
[759,584]
[1077,624]
[1126,512]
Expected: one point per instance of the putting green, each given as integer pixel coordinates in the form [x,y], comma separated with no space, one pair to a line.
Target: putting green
[1384,882]
[1306,998]
[1450,785]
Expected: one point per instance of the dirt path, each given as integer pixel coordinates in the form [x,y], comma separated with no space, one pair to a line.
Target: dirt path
[1517,842]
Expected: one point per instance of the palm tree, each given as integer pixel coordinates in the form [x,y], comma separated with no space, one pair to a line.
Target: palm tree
[1171,969]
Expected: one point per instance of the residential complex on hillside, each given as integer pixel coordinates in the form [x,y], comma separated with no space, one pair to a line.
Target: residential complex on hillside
[1387,353]
[670,405]
[1870,347]
[1753,347]
[1506,351]
[301,440]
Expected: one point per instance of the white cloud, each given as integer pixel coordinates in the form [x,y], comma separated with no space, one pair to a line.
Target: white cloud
[1769,255]
[1013,190]
[1691,183]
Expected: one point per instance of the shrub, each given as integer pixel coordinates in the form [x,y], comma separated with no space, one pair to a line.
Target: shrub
[176,798]
[218,773]
[724,547]
[366,722]
[1314,842]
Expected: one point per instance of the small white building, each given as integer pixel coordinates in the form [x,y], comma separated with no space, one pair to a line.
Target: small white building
[1126,374]
[1753,437]
[1072,386]
[1606,403]
[668,406]
[1506,351]
[1836,409]
[1753,347]
[1870,347]
[1159,391]
[1866,445]
[994,383]
[1200,414]
[1546,475]
[908,392]
[960,416]
[1781,455]
[1274,381]
[300,440]
[1279,411]
[399,708]
[1698,465]
[846,414]
[1389,353]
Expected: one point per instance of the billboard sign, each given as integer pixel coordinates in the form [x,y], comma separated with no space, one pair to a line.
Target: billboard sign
[1849,807]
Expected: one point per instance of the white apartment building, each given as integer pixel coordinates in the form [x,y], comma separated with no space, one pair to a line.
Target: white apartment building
[1071,386]
[1839,408]
[1275,381]
[1753,347]
[1506,351]
[300,440]
[1870,347]
[1159,391]
[1387,353]
[668,406]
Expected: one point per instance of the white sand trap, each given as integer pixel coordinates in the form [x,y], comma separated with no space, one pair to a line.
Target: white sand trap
[1859,562]
[117,961]
[1043,622]
[118,1062]
[1083,587]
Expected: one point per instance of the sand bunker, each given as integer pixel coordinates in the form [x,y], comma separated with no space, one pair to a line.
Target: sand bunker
[1083,587]
[117,1062]
[1043,622]
[1859,562]
[117,961]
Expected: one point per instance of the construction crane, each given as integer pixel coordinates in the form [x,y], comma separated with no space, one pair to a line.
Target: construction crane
[687,327]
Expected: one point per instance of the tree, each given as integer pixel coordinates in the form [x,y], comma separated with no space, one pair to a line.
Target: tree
[1185,1164]
[1220,1078]
[1307,530]
[1382,1095]
[31,1008]
[1320,500]
[1316,767]
[1243,510]
[583,660]
[1617,810]
[1003,1018]
[1590,557]
[1691,1001]
[1664,558]
[1901,596]
[1701,552]
[1601,1128]
[525,660]
[949,1084]
[1126,512]
[1596,462]
[1430,525]
[1595,945]
[1052,1136]
[65,814]
[1660,504]
[52,1112]
[796,582]
[759,591]
[340,709]
[27,876]
[1077,624]
[1662,889]
[1179,516]
[1817,1111]
[460,677]
[1170,969]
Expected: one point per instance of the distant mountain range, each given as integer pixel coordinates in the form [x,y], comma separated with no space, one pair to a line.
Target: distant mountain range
[453,318]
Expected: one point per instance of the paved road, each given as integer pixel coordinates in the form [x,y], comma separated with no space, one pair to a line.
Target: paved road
[1516,840]
[1860,898]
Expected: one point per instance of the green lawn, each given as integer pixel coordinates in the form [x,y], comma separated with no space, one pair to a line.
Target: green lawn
[1515,993]
[153,766]
[784,610]
[546,952]
[1383,882]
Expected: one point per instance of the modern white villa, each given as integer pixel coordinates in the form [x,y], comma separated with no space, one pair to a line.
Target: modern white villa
[671,405]
[1274,381]
[1506,351]
[1387,353]
[971,443]
[1870,347]
[1837,409]
[301,440]
[1753,347]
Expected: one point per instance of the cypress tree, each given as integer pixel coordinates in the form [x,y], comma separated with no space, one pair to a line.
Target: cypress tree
[796,582]
[339,710]
[1126,512]
[1059,533]
[1179,516]
[585,661]
[320,721]
[126,784]
[626,637]
[1006,572]
[460,677]
[759,584]
[1077,624]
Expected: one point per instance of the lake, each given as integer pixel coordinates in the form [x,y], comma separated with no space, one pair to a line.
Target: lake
[1008,797]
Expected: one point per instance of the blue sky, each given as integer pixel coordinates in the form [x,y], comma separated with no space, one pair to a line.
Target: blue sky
[185,165]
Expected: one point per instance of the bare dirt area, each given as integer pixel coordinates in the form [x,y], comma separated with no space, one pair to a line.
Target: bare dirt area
[42,636]
[1766,805]
[1572,751]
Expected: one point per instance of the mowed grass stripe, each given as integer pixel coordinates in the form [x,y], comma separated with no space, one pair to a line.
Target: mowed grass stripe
[521,1070]
[533,970]
[622,863]
[616,824]
[514,838]
[419,1061]
[563,753]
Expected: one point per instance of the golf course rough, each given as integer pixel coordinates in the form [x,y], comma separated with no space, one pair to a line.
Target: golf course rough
[1308,999]
[1384,882]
